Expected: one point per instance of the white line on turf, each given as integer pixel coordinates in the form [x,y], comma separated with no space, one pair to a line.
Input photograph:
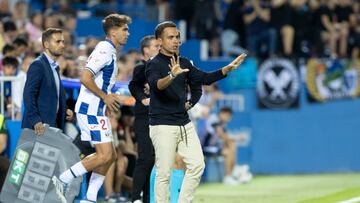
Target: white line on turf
[352,200]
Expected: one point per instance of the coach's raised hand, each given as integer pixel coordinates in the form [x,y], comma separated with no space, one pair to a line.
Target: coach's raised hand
[175,66]
[234,64]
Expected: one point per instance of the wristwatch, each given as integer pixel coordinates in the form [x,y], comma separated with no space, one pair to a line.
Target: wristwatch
[171,75]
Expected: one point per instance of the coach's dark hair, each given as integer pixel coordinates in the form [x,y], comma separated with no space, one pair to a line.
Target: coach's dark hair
[46,35]
[226,109]
[161,27]
[114,20]
[145,42]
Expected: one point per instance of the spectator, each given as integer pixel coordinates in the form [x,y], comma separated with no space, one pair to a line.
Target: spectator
[233,30]
[4,9]
[206,24]
[335,28]
[211,94]
[163,9]
[10,30]
[26,63]
[184,10]
[62,65]
[152,10]
[355,31]
[343,10]
[4,162]
[126,66]
[9,50]
[51,21]
[72,69]
[70,25]
[21,47]
[10,65]
[218,142]
[35,27]
[306,22]
[20,14]
[280,13]
[257,26]
[19,84]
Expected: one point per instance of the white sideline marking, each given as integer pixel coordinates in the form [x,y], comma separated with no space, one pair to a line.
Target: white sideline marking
[353,200]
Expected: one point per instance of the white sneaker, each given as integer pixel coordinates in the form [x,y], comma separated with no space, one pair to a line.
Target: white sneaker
[110,199]
[122,199]
[245,178]
[137,201]
[61,188]
[229,180]
[240,170]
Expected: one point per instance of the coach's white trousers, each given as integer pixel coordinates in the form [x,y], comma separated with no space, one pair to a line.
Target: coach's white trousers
[167,140]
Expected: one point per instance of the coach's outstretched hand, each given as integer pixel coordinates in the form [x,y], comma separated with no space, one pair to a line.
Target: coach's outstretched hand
[234,64]
[175,66]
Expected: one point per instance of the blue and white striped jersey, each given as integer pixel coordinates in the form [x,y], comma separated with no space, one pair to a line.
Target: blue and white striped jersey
[102,63]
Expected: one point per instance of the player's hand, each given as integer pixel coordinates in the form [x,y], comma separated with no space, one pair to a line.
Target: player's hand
[175,66]
[70,116]
[234,64]
[112,101]
[39,128]
[146,101]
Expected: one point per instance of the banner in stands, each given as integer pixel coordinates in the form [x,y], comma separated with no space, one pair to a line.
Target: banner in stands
[278,84]
[329,79]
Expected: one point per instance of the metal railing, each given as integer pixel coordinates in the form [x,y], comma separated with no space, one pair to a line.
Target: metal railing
[4,79]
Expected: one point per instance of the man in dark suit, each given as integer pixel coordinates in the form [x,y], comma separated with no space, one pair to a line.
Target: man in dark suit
[44,96]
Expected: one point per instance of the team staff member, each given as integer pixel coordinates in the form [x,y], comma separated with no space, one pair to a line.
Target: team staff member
[44,95]
[139,89]
[171,130]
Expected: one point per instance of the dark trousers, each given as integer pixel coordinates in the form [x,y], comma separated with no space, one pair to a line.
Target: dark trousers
[145,161]
[4,167]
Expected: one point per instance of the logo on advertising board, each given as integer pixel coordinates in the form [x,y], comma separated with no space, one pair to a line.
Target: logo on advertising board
[329,79]
[278,84]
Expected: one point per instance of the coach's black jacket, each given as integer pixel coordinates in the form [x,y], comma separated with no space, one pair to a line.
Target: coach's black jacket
[167,107]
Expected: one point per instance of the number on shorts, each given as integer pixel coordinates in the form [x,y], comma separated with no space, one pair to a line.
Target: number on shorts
[102,122]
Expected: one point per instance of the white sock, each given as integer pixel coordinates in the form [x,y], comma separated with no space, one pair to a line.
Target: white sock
[96,180]
[76,170]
